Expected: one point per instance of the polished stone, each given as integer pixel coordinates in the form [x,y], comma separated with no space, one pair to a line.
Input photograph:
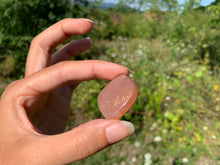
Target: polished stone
[117,97]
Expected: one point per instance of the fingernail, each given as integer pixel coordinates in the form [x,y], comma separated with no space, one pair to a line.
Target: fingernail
[129,126]
[119,131]
[86,19]
[130,73]
[88,38]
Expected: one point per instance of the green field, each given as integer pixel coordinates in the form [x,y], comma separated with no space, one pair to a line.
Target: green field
[175,59]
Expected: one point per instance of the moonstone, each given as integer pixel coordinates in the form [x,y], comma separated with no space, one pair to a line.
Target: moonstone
[117,97]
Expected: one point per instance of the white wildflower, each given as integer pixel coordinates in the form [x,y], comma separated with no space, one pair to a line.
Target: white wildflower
[147,159]
[167,98]
[124,56]
[113,55]
[205,45]
[140,46]
[123,163]
[205,128]
[157,139]
[214,137]
[123,49]
[139,52]
[153,127]
[137,144]
[134,159]
[164,131]
[185,160]
[174,65]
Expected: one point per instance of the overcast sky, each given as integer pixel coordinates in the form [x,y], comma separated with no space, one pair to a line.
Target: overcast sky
[203,2]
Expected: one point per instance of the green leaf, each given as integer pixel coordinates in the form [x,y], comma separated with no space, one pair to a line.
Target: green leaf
[198,74]
[169,116]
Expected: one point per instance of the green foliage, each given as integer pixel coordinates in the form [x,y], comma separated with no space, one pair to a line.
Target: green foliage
[176,112]
[21,20]
[145,4]
[190,4]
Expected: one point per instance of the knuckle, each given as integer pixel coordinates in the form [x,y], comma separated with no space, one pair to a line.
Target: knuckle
[35,40]
[12,85]
[12,89]
[90,145]
[66,19]
[94,140]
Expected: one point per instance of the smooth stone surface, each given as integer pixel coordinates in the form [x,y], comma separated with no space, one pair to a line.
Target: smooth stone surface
[117,97]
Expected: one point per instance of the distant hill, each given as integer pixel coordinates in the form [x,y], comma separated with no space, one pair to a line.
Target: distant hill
[105,5]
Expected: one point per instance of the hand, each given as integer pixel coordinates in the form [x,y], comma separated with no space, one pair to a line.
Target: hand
[35,109]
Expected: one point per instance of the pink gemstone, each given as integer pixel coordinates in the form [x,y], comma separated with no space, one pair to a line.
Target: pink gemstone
[117,97]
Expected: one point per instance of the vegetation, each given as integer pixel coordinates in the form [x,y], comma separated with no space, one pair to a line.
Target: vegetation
[175,57]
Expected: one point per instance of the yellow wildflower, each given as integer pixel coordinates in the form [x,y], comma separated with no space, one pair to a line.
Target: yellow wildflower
[215,87]
[177,101]
[179,128]
[180,139]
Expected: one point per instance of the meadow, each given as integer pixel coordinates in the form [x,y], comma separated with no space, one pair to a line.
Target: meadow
[175,60]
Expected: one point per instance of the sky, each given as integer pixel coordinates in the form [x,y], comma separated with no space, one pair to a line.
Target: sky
[203,2]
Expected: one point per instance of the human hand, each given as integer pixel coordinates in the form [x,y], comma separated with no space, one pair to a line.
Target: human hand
[35,109]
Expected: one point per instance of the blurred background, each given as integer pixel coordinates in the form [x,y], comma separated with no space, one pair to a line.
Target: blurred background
[173,48]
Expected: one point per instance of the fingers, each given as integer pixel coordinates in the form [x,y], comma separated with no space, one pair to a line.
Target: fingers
[43,44]
[71,50]
[63,73]
[83,141]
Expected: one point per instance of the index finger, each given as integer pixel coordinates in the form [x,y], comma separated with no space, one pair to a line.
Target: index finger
[43,44]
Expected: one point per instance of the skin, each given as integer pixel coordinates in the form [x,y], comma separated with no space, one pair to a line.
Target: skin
[34,110]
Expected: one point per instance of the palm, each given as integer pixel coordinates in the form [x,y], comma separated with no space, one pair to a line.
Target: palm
[52,115]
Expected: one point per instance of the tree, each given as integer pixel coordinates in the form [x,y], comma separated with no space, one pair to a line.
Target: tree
[21,20]
[191,4]
[145,4]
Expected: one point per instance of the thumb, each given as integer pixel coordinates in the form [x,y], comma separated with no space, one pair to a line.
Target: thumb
[83,141]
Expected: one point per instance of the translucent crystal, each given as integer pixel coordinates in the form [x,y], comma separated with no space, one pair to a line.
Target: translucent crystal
[117,97]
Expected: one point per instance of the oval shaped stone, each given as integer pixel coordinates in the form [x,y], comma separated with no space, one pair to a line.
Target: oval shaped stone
[117,97]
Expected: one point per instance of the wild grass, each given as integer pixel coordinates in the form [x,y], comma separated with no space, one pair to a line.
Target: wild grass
[176,113]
